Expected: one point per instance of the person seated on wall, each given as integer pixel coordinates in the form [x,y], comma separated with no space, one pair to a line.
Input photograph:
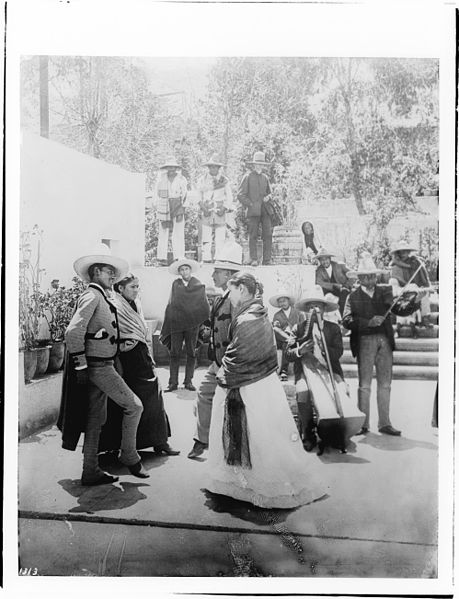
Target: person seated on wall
[403,266]
[310,241]
[283,322]
[333,278]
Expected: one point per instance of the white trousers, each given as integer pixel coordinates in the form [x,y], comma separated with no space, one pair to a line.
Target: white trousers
[220,234]
[178,240]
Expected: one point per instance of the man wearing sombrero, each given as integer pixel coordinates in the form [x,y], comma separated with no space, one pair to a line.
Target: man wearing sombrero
[332,276]
[298,347]
[186,310]
[170,193]
[92,339]
[215,203]
[254,191]
[409,268]
[367,315]
[227,263]
[283,322]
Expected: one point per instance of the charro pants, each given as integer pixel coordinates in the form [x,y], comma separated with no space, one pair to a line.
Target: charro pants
[177,238]
[375,350]
[105,381]
[220,234]
[190,337]
[203,406]
[266,235]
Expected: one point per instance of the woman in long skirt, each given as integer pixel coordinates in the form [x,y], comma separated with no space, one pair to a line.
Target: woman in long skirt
[255,452]
[137,369]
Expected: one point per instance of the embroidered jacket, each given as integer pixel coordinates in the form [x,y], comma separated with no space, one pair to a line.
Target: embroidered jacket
[215,199]
[93,332]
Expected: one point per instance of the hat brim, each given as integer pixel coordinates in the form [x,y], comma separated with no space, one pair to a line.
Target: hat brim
[228,266]
[170,166]
[82,265]
[324,256]
[219,164]
[401,249]
[356,273]
[275,298]
[303,302]
[174,267]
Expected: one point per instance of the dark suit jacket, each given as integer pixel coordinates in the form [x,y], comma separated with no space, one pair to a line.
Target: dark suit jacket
[220,320]
[252,189]
[339,271]
[333,339]
[360,308]
[294,318]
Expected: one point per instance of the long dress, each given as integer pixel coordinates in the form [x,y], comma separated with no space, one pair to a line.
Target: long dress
[137,368]
[281,472]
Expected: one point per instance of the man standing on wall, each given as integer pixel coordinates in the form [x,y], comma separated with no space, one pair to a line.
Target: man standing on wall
[170,194]
[215,202]
[254,192]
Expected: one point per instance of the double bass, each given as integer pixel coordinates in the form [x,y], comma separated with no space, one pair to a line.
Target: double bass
[338,417]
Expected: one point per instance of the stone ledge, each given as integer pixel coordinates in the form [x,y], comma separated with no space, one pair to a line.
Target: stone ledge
[39,403]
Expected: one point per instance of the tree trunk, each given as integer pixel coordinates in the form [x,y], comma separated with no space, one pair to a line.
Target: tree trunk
[44,97]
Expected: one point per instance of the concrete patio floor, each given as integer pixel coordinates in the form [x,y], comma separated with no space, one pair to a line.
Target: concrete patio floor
[378,518]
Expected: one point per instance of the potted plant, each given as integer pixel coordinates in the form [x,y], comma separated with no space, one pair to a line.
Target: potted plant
[34,346]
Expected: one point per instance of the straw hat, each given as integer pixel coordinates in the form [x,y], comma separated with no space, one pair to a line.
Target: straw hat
[366,267]
[282,293]
[230,257]
[100,254]
[315,294]
[170,162]
[214,161]
[258,158]
[402,245]
[322,253]
[212,291]
[179,262]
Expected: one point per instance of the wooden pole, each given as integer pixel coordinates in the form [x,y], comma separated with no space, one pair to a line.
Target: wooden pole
[44,97]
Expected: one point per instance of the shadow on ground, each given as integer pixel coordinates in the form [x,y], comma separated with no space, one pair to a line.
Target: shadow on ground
[388,443]
[103,497]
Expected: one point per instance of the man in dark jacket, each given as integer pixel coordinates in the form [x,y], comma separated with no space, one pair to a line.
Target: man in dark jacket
[367,316]
[283,322]
[187,309]
[332,276]
[227,263]
[254,192]
[299,347]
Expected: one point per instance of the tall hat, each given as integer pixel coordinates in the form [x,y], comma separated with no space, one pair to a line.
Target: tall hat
[282,293]
[179,262]
[229,257]
[258,158]
[170,161]
[100,254]
[402,245]
[323,253]
[366,267]
[213,161]
[315,294]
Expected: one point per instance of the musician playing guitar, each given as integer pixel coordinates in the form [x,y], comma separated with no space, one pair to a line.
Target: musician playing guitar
[305,341]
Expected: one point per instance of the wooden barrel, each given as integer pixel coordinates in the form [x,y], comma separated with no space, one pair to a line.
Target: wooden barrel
[287,245]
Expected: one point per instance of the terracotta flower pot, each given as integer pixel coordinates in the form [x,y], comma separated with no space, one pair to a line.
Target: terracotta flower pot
[56,356]
[30,364]
[42,360]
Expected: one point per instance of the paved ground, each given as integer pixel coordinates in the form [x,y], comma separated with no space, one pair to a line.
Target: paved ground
[379,518]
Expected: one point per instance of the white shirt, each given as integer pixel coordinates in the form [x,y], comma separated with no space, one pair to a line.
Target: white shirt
[367,291]
[287,312]
[329,270]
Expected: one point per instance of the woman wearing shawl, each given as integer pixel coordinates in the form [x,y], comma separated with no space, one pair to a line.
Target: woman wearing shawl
[255,452]
[310,249]
[139,373]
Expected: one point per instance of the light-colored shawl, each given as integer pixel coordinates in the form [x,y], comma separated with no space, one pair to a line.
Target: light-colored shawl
[131,323]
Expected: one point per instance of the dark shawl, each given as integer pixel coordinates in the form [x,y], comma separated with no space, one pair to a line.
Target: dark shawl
[251,354]
[74,407]
[187,308]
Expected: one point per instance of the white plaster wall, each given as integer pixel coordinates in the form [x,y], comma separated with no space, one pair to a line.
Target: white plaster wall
[77,201]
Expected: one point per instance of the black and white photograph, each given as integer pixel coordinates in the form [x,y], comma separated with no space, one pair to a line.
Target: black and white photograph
[230,314]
